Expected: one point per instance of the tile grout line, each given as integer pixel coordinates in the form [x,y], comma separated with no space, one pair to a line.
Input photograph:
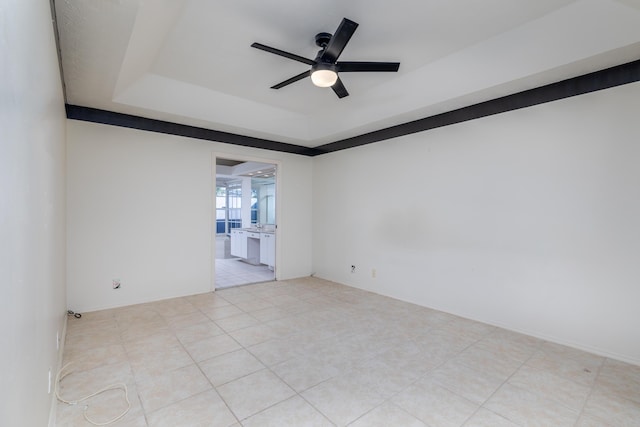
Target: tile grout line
[591,390]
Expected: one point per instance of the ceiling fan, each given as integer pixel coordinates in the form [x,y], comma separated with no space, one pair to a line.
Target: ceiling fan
[325,68]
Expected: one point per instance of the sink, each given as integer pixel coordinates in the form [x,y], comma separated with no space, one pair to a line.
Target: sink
[265,229]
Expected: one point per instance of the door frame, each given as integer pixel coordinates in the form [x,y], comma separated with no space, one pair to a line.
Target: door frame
[244,158]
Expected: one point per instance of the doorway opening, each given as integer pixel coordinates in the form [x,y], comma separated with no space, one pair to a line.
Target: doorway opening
[245,222]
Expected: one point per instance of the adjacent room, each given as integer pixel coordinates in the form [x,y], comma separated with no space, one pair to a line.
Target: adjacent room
[332,214]
[245,194]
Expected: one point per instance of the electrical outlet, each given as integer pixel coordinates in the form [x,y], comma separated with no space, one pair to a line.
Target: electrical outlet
[353,269]
[373,273]
[116,283]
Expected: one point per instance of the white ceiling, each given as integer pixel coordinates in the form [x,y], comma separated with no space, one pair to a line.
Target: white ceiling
[190,61]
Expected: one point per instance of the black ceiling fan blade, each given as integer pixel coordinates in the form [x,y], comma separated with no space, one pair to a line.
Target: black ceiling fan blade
[339,89]
[350,66]
[283,53]
[292,80]
[339,40]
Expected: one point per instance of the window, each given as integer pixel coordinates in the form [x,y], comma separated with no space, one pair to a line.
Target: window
[228,207]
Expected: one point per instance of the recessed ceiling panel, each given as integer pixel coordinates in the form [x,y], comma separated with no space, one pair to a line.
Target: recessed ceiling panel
[190,61]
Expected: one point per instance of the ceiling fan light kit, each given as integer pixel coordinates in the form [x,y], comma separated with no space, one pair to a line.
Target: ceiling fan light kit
[324,75]
[325,68]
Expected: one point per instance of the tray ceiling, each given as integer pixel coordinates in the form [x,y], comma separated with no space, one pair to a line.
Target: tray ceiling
[190,61]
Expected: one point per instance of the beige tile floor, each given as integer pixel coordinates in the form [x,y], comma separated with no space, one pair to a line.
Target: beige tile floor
[233,272]
[308,352]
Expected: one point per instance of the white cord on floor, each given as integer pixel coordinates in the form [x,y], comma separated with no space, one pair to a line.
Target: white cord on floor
[117,386]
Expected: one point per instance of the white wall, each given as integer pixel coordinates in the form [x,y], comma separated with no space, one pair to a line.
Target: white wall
[528,220]
[140,209]
[32,211]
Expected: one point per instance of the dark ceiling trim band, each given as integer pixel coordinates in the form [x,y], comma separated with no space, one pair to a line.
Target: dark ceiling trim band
[599,80]
[95,115]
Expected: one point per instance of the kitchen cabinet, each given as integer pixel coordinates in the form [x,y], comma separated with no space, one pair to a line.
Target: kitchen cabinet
[239,243]
[245,244]
[268,249]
